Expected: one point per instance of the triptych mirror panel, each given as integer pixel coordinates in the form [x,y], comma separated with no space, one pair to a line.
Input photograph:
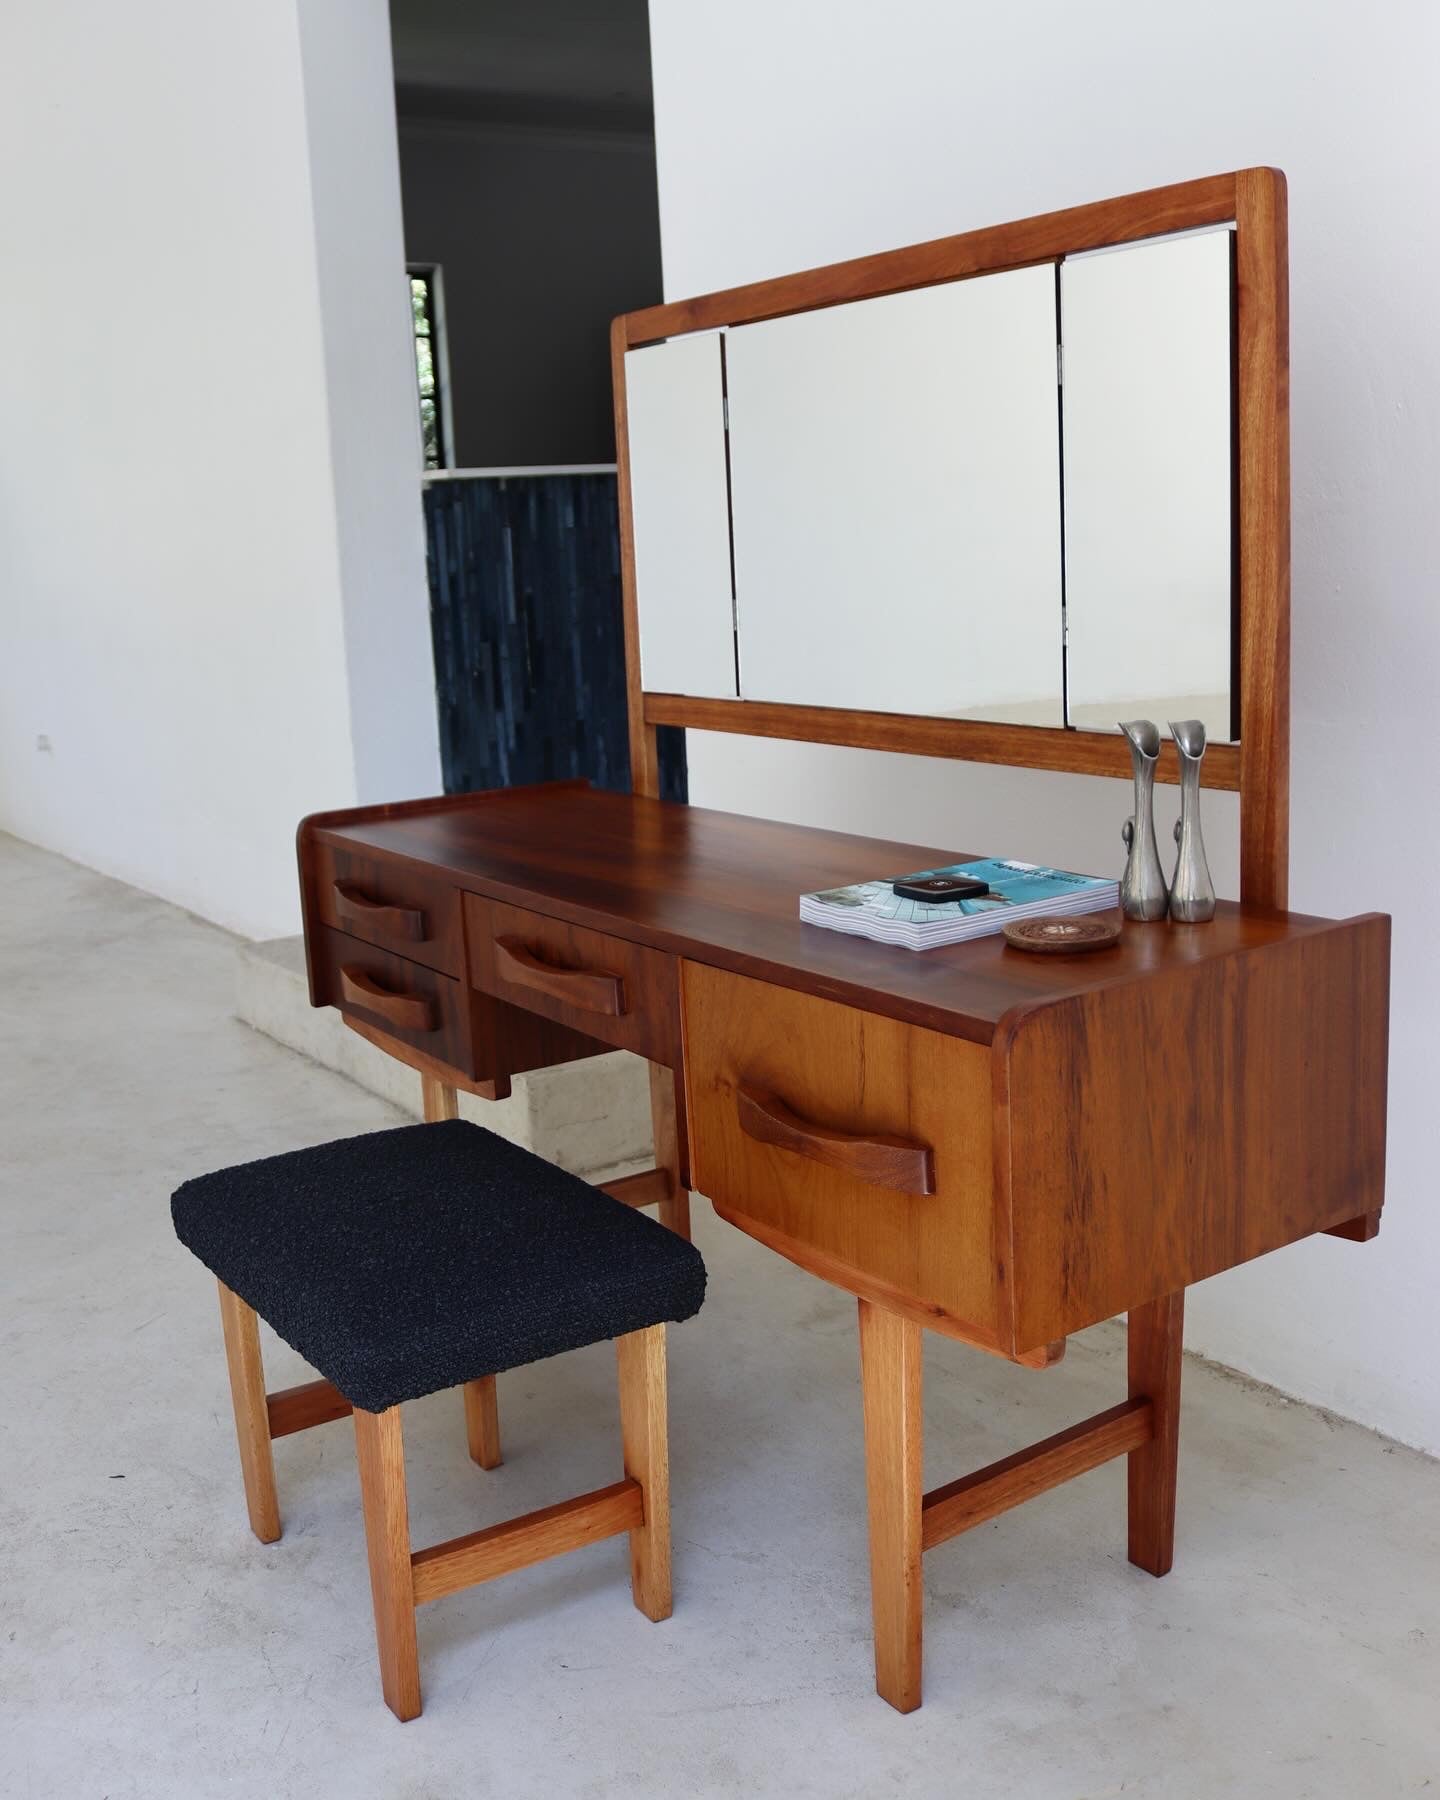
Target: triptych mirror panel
[1148,469]
[908,511]
[896,504]
[680,515]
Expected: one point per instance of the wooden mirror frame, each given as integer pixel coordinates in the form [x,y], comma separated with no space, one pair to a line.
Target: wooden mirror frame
[1258,767]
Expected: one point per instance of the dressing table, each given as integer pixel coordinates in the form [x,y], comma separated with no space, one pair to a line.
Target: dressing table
[1001,1148]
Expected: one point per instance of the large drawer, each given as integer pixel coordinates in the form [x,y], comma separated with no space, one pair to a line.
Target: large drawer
[856,1144]
[390,905]
[608,988]
[405,1000]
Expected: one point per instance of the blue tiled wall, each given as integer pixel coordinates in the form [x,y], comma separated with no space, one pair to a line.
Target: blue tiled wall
[529,649]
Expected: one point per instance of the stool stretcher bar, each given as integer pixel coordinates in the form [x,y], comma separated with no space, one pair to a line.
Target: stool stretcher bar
[532,1537]
[649,1188]
[298,1408]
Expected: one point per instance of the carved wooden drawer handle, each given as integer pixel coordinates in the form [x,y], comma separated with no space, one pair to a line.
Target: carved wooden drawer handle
[407,1012]
[891,1162]
[588,990]
[355,907]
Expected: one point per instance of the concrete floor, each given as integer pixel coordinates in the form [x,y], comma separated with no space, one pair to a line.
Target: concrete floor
[150,1648]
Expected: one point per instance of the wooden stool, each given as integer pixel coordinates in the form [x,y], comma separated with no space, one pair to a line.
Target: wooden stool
[429,1257]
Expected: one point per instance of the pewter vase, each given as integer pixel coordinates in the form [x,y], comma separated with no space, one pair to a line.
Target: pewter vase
[1192,892]
[1142,887]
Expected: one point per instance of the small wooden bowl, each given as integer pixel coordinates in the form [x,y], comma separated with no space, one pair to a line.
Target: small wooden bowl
[1064,936]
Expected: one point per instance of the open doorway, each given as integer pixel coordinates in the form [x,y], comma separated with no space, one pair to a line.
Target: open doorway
[527,168]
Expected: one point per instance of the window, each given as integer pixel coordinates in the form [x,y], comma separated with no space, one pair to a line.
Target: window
[430,368]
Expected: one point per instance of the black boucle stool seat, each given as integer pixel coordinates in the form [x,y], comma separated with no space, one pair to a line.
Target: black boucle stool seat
[436,1256]
[407,1261]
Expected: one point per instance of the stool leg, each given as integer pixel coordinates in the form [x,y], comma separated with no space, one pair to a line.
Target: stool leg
[380,1451]
[252,1416]
[1155,1333]
[482,1412]
[890,1367]
[482,1422]
[644,1434]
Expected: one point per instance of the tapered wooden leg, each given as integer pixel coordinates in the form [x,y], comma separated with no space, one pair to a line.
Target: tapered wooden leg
[1155,1333]
[482,1422]
[380,1451]
[644,1433]
[674,1211]
[252,1416]
[890,1365]
[482,1410]
[440,1100]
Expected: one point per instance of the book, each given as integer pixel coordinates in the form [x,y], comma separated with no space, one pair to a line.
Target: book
[1018,890]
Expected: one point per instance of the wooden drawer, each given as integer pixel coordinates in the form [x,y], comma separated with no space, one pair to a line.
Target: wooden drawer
[855,1144]
[390,905]
[609,989]
[403,999]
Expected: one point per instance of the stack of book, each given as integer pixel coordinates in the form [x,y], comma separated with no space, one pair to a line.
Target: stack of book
[1018,890]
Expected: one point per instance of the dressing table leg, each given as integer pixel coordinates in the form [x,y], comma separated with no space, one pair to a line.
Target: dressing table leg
[890,1365]
[674,1212]
[439,1099]
[482,1414]
[1155,1332]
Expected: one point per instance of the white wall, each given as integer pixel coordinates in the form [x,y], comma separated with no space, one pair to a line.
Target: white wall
[371,394]
[186,485]
[792,133]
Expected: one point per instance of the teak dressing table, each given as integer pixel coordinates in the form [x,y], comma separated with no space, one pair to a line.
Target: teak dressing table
[1001,1148]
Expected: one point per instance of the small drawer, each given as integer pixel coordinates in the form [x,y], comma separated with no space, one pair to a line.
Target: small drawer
[857,1144]
[403,999]
[390,905]
[618,992]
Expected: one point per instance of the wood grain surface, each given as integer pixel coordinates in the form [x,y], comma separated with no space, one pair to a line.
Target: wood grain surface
[461,1562]
[1127,217]
[1263,496]
[860,1076]
[973,1499]
[380,1454]
[878,1157]
[723,889]
[401,909]
[403,999]
[1151,1134]
[298,1408]
[917,734]
[644,1433]
[891,1359]
[603,985]
[1155,1356]
[241,1327]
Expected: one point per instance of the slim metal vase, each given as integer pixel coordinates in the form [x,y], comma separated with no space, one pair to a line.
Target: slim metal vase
[1143,894]
[1192,892]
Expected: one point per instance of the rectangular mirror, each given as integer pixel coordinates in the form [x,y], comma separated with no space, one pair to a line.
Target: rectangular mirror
[680,516]
[1007,498]
[895,502]
[1148,471]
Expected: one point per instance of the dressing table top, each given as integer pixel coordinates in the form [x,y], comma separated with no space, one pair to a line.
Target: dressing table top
[723,889]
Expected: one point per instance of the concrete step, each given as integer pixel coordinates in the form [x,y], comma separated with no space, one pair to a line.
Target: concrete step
[591,1117]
